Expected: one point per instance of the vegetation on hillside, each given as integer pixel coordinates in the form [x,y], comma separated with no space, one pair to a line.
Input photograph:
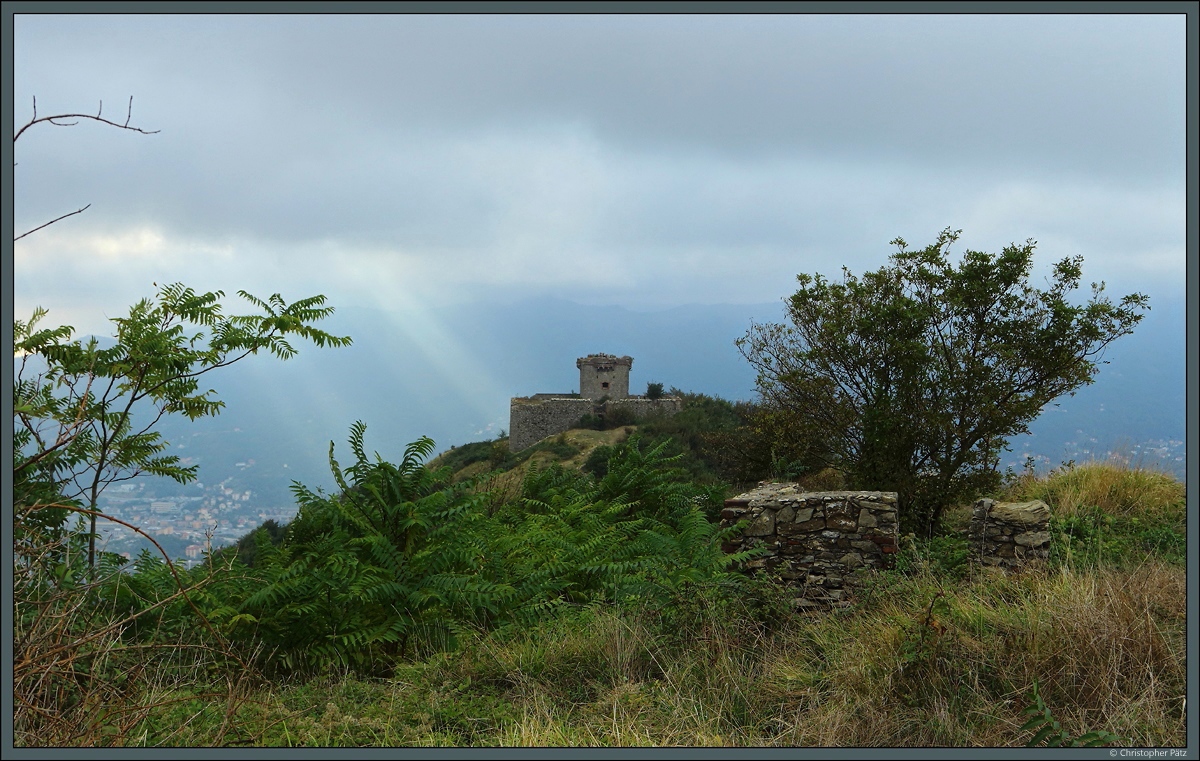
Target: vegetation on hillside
[593,606]
[577,593]
[914,377]
[600,611]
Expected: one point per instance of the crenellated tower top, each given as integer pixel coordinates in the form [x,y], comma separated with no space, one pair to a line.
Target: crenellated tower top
[602,375]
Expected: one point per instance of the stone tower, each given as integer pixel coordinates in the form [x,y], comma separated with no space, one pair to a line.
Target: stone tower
[603,375]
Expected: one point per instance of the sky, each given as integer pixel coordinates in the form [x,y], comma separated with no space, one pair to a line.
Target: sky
[408,161]
[421,165]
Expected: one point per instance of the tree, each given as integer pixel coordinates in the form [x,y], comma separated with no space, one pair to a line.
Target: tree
[86,637]
[75,428]
[914,377]
[85,417]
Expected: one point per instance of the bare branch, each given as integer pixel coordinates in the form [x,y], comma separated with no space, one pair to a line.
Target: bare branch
[55,120]
[64,216]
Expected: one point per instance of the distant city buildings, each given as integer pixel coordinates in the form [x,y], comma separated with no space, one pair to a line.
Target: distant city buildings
[186,527]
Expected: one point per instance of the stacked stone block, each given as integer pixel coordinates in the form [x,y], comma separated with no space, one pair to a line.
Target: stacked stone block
[820,543]
[1010,534]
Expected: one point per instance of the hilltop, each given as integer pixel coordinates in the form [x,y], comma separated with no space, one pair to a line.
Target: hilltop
[569,449]
[710,439]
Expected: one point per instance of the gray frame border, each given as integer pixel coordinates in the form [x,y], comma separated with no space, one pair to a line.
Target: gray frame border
[1190,9]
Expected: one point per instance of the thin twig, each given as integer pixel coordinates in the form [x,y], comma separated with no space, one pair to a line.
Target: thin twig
[170,566]
[96,118]
[39,227]
[56,120]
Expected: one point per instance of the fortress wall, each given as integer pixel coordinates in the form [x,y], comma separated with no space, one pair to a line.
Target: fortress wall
[642,407]
[533,418]
[530,421]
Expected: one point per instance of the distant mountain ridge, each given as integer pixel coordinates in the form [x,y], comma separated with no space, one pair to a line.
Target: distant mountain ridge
[449,374]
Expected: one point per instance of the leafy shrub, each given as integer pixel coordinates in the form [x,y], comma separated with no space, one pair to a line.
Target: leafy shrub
[1093,536]
[246,548]
[468,454]
[402,561]
[1050,731]
[559,447]
[638,530]
[618,417]
[962,340]
[597,461]
[499,454]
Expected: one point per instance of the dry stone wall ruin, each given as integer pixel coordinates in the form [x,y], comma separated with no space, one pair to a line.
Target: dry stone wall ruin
[1010,534]
[820,543]
[824,543]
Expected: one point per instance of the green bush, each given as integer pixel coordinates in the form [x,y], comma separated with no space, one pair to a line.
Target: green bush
[1092,536]
[597,461]
[468,454]
[390,561]
[246,549]
[963,336]
[618,417]
[403,562]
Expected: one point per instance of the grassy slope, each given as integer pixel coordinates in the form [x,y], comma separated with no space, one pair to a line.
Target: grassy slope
[569,449]
[584,439]
[933,654]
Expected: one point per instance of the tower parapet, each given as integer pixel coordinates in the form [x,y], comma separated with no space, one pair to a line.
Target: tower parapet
[602,375]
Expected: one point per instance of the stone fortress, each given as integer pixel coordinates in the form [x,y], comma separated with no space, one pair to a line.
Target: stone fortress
[603,389]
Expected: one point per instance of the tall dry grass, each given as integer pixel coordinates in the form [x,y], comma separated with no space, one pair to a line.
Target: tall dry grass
[925,658]
[78,680]
[1114,486]
[1106,646]
[918,663]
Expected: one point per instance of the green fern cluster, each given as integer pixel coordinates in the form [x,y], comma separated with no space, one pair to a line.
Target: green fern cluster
[638,532]
[394,555]
[402,559]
